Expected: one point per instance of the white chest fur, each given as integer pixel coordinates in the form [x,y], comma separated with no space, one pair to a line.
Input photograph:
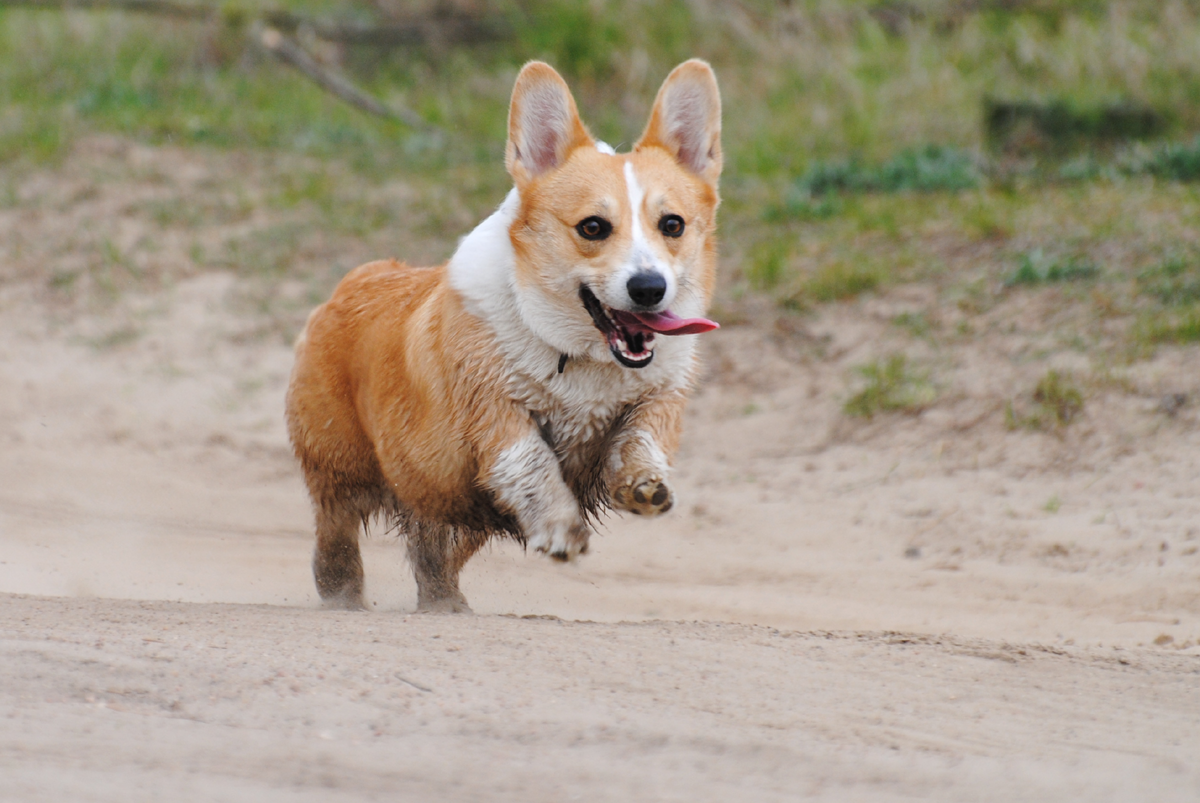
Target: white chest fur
[583,400]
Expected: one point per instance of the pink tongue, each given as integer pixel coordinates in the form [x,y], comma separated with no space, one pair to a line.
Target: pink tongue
[668,323]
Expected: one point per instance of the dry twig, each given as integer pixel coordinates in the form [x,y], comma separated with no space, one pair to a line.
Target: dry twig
[452,29]
[290,52]
[269,30]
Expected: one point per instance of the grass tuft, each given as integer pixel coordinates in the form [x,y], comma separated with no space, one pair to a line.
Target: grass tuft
[1036,268]
[916,324]
[1057,402]
[891,385]
[928,169]
[841,281]
[768,261]
[798,204]
[1168,326]
[838,281]
[1173,282]
[1058,394]
[1063,125]
[1175,161]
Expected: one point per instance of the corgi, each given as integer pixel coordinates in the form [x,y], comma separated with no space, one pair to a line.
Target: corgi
[536,379]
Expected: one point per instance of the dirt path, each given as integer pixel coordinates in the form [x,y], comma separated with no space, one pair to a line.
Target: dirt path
[166,490]
[1048,584]
[149,701]
[162,471]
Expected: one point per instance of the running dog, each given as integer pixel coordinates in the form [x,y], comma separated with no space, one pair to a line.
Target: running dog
[537,378]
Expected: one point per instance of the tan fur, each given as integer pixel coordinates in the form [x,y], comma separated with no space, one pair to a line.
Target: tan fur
[405,402]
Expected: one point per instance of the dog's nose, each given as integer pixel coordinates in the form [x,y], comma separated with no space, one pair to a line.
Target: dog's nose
[647,288]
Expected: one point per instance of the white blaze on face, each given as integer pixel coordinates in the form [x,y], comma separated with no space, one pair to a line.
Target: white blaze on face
[642,255]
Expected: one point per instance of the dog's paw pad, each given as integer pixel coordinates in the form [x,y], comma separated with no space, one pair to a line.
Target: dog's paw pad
[645,498]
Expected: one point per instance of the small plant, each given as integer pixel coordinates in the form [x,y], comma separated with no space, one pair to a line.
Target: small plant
[799,204]
[1175,161]
[1173,282]
[767,263]
[985,221]
[891,385]
[316,187]
[1057,394]
[1057,402]
[1036,268]
[973,298]
[1060,127]
[916,324]
[1084,167]
[837,281]
[927,169]
[1168,327]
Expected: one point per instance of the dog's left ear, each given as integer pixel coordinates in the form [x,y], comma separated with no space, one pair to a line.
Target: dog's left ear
[686,120]
[543,123]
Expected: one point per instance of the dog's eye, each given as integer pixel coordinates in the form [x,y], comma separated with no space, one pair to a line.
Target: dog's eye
[593,228]
[671,225]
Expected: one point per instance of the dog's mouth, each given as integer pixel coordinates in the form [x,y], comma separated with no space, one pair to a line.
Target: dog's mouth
[630,335]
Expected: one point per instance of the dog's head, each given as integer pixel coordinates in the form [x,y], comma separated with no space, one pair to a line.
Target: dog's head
[612,249]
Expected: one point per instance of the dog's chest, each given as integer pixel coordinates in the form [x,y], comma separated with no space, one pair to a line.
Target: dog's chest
[580,407]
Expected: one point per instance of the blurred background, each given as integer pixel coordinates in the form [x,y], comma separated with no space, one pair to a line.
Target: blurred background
[849,126]
[825,102]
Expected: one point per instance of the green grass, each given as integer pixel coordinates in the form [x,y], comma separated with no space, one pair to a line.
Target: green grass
[1035,268]
[806,84]
[1173,285]
[1174,161]
[768,263]
[1057,401]
[840,281]
[798,204]
[890,385]
[1172,282]
[927,169]
[1063,125]
[836,281]
[1059,396]
[964,244]
[916,324]
[1166,327]
[856,154]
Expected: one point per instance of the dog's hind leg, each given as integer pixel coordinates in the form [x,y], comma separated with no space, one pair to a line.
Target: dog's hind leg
[337,562]
[437,554]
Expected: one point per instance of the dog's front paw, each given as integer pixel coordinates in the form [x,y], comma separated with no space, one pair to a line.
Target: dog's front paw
[644,497]
[563,545]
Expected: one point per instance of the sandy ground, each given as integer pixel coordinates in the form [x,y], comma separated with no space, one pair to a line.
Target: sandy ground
[924,607]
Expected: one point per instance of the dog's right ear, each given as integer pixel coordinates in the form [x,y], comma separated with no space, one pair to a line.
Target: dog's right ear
[543,124]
